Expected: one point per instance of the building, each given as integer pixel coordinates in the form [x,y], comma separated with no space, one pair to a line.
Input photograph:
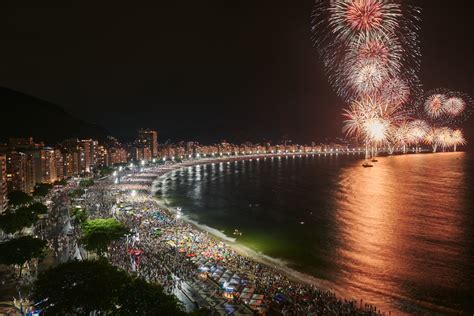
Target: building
[20,171]
[89,148]
[59,160]
[148,139]
[142,153]
[101,156]
[117,156]
[45,165]
[3,183]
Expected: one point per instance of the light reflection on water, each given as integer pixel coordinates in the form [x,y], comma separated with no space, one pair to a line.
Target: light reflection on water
[403,227]
[399,235]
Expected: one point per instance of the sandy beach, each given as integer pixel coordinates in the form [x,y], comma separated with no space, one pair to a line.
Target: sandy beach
[275,263]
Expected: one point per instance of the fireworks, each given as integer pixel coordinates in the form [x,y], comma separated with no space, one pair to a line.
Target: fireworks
[442,107]
[444,137]
[352,17]
[371,53]
[457,139]
[376,129]
[418,131]
[454,106]
[367,76]
[434,105]
[372,119]
[399,135]
[395,91]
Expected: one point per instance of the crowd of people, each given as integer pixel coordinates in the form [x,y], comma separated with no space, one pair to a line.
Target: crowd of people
[166,249]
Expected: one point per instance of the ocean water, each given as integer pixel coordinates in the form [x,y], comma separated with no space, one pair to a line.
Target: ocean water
[399,235]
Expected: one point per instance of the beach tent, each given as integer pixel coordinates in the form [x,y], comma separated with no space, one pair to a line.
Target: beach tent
[229,288]
[246,297]
[255,303]
[234,281]
[248,290]
[257,297]
[216,275]
[228,274]
[280,298]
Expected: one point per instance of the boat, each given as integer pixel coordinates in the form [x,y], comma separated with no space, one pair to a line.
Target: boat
[374,160]
[367,165]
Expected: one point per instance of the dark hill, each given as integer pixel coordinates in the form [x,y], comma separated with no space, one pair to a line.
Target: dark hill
[22,115]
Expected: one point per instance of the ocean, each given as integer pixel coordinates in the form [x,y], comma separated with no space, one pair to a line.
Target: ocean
[399,235]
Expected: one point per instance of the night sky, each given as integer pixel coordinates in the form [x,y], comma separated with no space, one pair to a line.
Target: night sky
[203,69]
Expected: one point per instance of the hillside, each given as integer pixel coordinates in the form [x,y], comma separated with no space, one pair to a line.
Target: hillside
[23,115]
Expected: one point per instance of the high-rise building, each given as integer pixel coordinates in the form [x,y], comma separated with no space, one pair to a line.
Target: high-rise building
[101,156]
[142,153]
[117,156]
[79,159]
[20,171]
[68,165]
[3,183]
[148,139]
[59,161]
[45,165]
[16,170]
[89,147]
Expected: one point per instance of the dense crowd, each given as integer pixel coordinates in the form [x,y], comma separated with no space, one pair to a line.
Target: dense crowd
[165,249]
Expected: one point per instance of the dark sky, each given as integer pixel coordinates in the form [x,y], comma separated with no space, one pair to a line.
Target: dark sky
[203,69]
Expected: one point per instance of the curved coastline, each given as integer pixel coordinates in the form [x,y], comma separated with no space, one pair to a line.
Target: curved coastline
[275,263]
[278,264]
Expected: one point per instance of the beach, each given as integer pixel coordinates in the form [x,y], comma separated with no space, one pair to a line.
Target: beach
[197,254]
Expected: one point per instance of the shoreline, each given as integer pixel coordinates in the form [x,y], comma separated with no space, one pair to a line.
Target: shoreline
[145,181]
[274,263]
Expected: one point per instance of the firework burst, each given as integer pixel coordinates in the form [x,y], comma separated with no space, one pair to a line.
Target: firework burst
[434,105]
[418,131]
[371,119]
[454,106]
[395,91]
[457,139]
[400,135]
[352,17]
[384,50]
[366,76]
